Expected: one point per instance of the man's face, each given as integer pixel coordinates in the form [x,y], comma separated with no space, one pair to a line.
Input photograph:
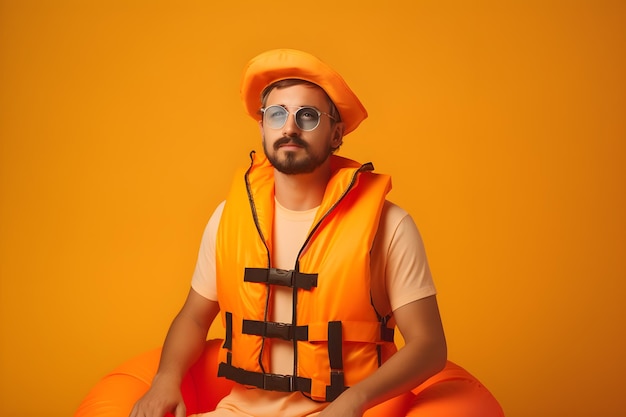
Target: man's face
[290,149]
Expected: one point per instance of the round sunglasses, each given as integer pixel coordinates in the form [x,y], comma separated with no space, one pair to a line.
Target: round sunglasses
[307,118]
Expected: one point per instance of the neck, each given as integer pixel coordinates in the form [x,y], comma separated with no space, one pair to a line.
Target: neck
[303,191]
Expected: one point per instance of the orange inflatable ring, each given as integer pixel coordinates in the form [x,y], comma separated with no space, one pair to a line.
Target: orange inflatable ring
[452,392]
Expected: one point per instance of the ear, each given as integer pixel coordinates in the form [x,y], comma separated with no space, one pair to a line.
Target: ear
[337,135]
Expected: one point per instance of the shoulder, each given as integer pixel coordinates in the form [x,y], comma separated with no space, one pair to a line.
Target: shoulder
[394,218]
[397,230]
[217,213]
[210,230]
[393,212]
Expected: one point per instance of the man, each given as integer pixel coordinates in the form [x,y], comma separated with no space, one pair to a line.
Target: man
[309,266]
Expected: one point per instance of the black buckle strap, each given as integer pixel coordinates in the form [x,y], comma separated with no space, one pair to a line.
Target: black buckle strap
[335,345]
[336,387]
[228,337]
[335,357]
[283,277]
[283,331]
[386,334]
[271,382]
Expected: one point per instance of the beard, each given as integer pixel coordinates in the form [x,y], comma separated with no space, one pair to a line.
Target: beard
[290,164]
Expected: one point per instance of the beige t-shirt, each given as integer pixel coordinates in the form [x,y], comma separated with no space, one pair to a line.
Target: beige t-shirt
[399,273]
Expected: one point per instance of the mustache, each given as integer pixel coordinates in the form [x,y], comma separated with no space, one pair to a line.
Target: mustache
[296,140]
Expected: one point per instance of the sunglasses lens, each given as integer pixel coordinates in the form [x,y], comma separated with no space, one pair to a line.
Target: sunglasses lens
[275,116]
[307,118]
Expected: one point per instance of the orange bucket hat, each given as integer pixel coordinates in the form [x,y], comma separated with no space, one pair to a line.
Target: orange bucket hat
[282,64]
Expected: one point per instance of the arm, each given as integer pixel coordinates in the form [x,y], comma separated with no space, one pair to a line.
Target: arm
[423,355]
[183,345]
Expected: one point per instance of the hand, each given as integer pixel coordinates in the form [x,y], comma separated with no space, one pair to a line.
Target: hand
[346,405]
[162,397]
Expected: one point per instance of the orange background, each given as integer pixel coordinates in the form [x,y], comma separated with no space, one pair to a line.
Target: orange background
[502,122]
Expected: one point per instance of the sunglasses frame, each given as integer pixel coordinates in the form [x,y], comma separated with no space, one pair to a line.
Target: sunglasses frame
[297,109]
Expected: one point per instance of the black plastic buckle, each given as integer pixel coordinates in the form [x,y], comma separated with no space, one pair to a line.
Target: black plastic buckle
[283,383]
[281,330]
[282,277]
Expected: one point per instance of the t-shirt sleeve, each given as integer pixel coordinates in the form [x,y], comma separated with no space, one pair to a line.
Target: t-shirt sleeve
[204,280]
[399,257]
[408,274]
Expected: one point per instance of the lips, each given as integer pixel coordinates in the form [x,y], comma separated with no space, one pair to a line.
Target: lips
[289,145]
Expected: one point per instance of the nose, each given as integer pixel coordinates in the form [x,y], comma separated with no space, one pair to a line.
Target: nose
[291,128]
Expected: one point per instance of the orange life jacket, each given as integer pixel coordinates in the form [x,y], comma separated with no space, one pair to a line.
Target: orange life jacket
[338,336]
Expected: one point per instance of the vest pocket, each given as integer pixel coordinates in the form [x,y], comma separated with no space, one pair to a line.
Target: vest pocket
[359,360]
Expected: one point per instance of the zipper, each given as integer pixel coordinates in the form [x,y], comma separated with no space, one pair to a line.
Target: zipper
[363,168]
[255,217]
